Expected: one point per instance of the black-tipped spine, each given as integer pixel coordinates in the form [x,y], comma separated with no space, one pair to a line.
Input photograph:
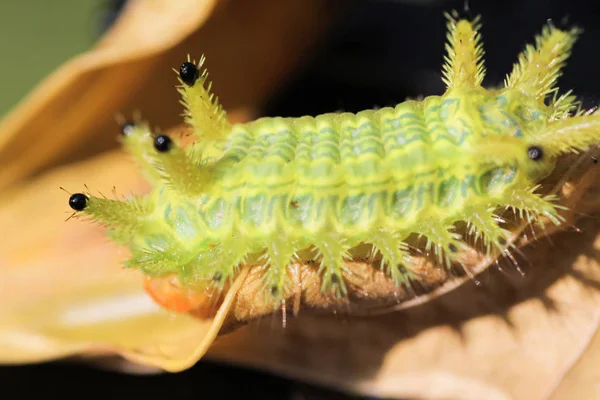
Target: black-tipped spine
[189,73]
[78,201]
[163,143]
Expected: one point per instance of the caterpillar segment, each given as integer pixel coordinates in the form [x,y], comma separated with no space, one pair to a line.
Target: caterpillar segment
[276,191]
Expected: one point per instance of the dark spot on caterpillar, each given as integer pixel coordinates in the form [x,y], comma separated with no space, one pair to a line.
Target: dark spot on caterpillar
[335,279]
[78,201]
[217,277]
[502,241]
[162,143]
[452,248]
[310,261]
[127,127]
[535,153]
[274,290]
[188,73]
[295,204]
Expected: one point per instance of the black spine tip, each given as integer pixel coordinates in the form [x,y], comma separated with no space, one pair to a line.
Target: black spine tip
[78,201]
[163,143]
[189,74]
[535,153]
[127,128]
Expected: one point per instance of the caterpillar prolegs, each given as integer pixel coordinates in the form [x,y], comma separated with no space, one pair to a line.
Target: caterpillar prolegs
[323,191]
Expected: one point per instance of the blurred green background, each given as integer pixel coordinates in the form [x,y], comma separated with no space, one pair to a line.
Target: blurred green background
[36,36]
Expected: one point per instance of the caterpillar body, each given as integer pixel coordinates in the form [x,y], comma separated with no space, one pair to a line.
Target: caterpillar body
[326,188]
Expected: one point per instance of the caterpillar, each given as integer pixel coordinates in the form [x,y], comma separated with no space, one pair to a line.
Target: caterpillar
[323,190]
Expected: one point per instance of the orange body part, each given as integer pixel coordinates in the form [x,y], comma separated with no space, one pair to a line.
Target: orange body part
[170,294]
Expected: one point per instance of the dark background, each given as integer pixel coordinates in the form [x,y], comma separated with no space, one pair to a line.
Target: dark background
[378,53]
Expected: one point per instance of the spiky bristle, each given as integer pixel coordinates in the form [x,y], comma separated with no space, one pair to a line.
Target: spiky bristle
[202,109]
[539,65]
[464,66]
[569,135]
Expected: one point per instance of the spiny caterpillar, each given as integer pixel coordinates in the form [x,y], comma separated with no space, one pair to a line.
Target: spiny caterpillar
[323,189]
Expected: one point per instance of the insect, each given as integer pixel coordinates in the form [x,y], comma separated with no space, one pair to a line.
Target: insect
[323,189]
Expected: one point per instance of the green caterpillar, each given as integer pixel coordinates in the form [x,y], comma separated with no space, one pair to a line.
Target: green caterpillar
[276,190]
